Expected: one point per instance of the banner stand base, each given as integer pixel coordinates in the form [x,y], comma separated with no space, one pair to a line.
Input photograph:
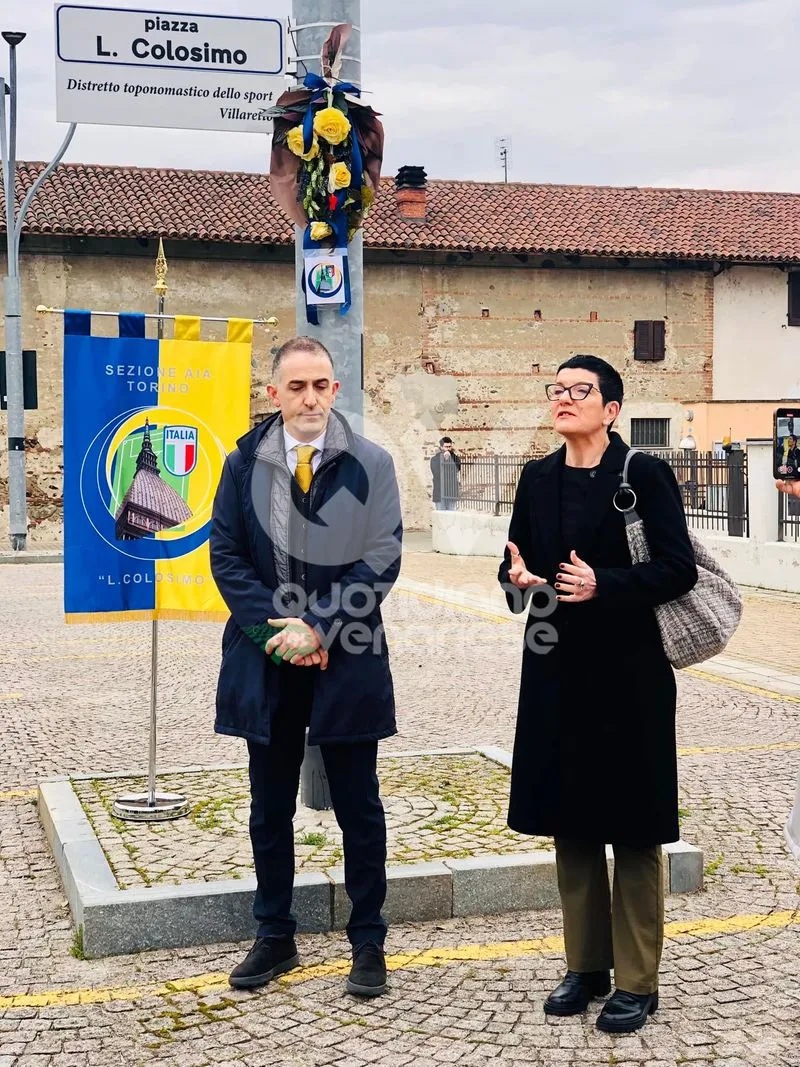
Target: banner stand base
[142,807]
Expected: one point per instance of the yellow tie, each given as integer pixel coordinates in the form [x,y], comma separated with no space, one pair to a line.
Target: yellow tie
[303,471]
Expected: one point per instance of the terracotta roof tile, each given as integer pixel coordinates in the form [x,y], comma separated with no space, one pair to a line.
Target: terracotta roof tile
[108,201]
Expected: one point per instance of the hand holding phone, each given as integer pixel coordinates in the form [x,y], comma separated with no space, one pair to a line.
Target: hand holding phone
[786,444]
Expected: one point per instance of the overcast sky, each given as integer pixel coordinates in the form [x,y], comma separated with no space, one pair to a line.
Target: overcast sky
[618,92]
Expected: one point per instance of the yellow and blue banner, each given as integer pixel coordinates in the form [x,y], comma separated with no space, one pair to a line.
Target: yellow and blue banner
[147,426]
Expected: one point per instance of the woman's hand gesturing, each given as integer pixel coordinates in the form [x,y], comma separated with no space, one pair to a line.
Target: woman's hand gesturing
[518,573]
[576,581]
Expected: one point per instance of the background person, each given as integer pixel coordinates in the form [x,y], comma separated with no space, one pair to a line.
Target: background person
[269,552]
[445,468]
[594,756]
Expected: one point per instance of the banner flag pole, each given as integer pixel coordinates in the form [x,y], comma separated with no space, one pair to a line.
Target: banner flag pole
[152,806]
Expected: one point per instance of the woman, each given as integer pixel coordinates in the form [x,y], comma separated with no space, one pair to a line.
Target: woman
[594,756]
[792,830]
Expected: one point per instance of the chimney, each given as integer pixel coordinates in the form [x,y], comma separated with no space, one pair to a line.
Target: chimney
[411,192]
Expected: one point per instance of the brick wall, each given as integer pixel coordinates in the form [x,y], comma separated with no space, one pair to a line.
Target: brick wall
[490,365]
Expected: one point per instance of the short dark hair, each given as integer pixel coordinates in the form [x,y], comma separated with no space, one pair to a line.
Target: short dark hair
[608,378]
[445,440]
[299,344]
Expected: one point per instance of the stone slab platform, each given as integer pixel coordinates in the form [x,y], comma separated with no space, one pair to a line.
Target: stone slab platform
[449,854]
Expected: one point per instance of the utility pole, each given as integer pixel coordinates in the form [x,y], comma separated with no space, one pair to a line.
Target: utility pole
[18,510]
[342,335]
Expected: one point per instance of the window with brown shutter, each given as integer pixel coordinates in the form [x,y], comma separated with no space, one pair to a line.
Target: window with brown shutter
[794,298]
[649,336]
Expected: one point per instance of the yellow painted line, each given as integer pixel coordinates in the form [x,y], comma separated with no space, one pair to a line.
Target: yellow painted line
[10,696]
[433,957]
[713,750]
[456,607]
[13,794]
[743,687]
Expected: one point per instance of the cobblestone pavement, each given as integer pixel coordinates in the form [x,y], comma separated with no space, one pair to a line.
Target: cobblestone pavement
[437,807]
[74,699]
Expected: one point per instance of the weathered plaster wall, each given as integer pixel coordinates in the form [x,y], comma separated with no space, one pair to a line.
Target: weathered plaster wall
[487,391]
[756,352]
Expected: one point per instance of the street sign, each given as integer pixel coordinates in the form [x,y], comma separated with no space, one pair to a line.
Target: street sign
[123,67]
[30,390]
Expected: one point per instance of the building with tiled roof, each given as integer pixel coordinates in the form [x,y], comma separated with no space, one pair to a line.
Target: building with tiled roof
[474,294]
[85,200]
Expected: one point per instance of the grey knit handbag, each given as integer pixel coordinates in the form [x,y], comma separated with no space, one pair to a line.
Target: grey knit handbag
[699,624]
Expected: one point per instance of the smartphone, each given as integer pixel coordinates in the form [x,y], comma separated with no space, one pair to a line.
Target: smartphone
[786,444]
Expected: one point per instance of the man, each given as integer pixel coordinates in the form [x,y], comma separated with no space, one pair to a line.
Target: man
[305,544]
[445,467]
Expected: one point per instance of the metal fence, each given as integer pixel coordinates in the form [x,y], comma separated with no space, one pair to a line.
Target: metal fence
[713,488]
[788,518]
[486,483]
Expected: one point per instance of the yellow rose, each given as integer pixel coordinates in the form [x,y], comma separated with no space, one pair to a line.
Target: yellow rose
[339,177]
[320,230]
[294,140]
[332,125]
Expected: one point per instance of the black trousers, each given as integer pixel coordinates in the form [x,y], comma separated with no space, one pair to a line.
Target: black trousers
[274,783]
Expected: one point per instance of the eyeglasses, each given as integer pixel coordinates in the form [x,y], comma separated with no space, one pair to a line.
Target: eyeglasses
[579,391]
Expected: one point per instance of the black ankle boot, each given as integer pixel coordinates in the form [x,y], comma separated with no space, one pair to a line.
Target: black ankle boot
[368,973]
[625,1012]
[572,996]
[269,957]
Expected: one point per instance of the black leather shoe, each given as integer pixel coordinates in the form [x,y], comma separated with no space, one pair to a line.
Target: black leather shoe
[572,996]
[269,957]
[625,1012]
[368,973]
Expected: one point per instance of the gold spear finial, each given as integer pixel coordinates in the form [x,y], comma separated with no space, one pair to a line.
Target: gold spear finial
[161,270]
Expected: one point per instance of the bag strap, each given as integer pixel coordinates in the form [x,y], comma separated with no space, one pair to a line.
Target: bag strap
[630,513]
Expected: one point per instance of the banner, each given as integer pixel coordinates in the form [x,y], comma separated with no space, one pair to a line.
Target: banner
[147,427]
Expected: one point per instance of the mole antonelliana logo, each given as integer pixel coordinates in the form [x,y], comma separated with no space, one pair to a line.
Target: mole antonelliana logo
[150,480]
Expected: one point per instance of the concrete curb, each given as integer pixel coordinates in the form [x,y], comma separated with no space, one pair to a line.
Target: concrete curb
[118,921]
[31,557]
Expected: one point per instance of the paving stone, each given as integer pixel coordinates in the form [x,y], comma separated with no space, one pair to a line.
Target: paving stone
[84,710]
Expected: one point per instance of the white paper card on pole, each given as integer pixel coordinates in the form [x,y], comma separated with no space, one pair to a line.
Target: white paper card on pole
[124,67]
[324,274]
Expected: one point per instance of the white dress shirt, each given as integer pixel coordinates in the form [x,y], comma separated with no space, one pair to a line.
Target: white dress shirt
[290,445]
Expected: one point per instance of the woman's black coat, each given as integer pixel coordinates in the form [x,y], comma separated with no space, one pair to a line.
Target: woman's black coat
[594,755]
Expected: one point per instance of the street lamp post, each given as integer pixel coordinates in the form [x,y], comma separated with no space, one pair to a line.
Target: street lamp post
[18,513]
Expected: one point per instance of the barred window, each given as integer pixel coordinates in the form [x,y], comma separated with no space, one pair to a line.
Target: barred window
[650,433]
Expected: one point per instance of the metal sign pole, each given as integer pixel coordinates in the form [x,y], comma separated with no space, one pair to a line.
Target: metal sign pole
[18,512]
[341,335]
[153,806]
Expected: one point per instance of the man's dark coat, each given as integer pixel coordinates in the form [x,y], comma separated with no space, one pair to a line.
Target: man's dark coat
[338,548]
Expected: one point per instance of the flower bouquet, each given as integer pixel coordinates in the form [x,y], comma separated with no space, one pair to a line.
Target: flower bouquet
[327,149]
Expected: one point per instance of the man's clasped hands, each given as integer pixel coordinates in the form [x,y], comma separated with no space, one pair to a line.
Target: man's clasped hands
[297,643]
